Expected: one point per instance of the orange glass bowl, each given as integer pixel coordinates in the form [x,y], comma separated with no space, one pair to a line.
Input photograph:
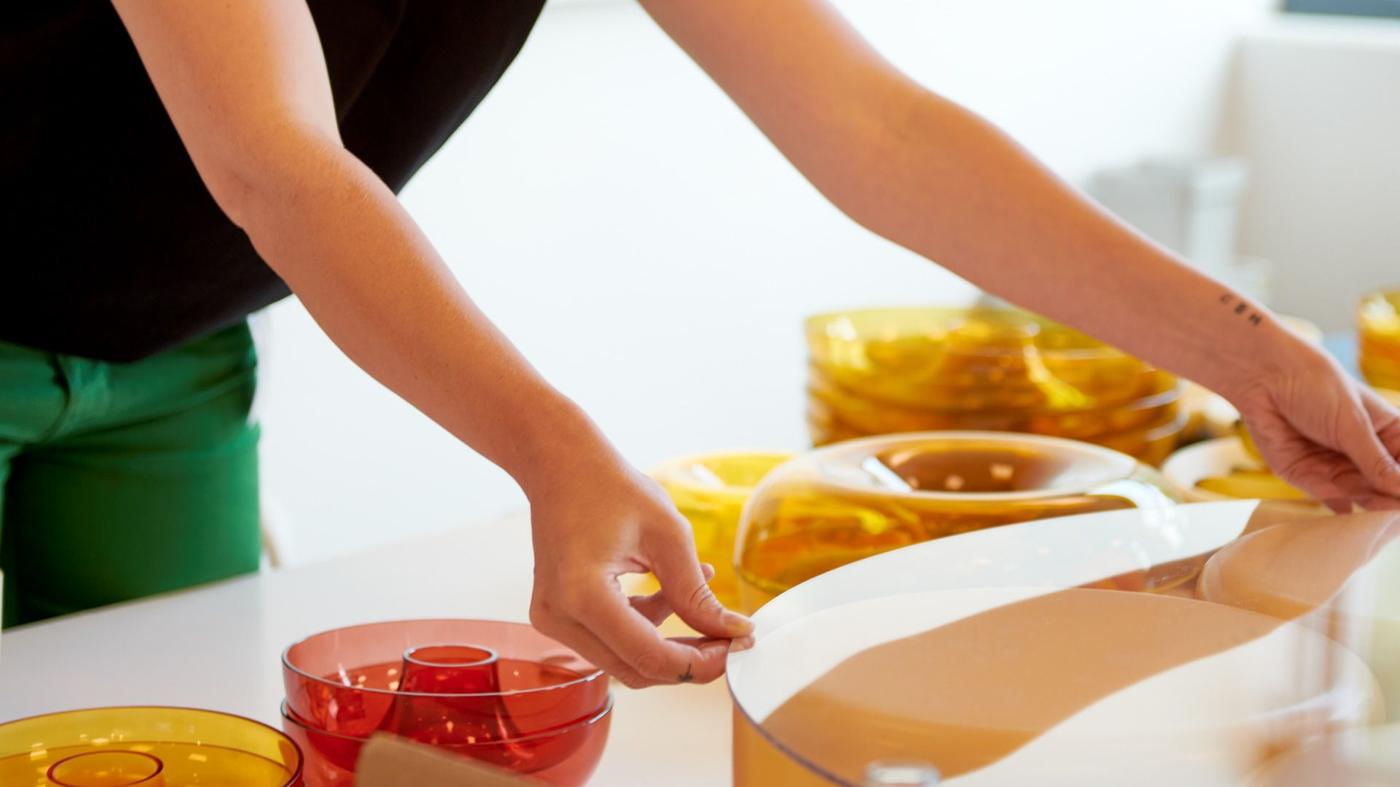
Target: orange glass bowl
[1378,330]
[563,756]
[145,747]
[473,681]
[848,501]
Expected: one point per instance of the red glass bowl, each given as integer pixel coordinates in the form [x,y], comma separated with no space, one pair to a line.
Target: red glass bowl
[566,756]
[347,681]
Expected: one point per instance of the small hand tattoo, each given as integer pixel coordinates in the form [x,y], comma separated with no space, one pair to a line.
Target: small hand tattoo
[687,677]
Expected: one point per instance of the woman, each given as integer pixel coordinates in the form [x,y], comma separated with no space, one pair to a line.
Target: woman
[166,180]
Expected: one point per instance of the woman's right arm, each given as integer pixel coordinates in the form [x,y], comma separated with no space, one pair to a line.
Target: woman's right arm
[245,83]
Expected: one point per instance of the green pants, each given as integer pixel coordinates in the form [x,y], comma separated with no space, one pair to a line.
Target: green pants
[122,480]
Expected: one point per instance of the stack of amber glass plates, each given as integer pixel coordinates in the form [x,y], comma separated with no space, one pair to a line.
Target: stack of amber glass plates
[882,371]
[1378,327]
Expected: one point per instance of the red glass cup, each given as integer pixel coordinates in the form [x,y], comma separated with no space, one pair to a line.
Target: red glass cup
[361,679]
[450,669]
[565,756]
[471,708]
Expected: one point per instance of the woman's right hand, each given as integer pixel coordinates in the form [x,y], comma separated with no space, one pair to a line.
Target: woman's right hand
[595,518]
[1321,430]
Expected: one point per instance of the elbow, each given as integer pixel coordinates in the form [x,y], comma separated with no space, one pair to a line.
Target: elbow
[233,192]
[917,174]
[883,167]
[265,186]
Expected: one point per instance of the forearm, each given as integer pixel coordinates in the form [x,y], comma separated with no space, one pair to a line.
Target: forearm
[937,179]
[374,283]
[952,187]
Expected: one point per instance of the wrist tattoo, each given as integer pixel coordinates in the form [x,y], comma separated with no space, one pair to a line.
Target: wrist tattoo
[1241,308]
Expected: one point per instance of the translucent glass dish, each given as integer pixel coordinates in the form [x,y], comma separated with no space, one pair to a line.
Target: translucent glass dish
[564,756]
[710,491]
[1378,328]
[1017,686]
[838,504]
[986,657]
[1339,574]
[348,681]
[885,371]
[146,746]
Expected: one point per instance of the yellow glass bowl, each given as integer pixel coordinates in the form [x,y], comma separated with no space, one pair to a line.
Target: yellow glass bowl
[710,491]
[979,358]
[1378,329]
[838,504]
[146,746]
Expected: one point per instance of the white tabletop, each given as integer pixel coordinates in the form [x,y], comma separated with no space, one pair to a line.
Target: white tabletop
[218,647]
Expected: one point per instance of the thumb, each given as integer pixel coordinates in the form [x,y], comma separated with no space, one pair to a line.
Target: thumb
[683,584]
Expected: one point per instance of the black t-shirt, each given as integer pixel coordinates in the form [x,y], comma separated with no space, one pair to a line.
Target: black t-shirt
[112,246]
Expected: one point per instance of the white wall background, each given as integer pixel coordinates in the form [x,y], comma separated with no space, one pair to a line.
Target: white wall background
[1316,113]
[655,256]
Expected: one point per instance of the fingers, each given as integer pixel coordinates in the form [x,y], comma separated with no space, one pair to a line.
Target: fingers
[685,586]
[596,619]
[1385,420]
[1326,475]
[1377,504]
[1295,458]
[655,607]
[591,648]
[1361,443]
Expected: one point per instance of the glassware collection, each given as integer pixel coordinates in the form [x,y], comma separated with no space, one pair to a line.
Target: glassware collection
[958,656]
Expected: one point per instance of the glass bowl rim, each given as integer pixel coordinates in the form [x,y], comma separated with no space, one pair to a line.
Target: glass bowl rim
[295,777]
[596,674]
[1169,394]
[667,473]
[573,726]
[1131,466]
[814,328]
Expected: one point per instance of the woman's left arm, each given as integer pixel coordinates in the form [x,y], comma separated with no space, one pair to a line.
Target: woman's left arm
[936,178]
